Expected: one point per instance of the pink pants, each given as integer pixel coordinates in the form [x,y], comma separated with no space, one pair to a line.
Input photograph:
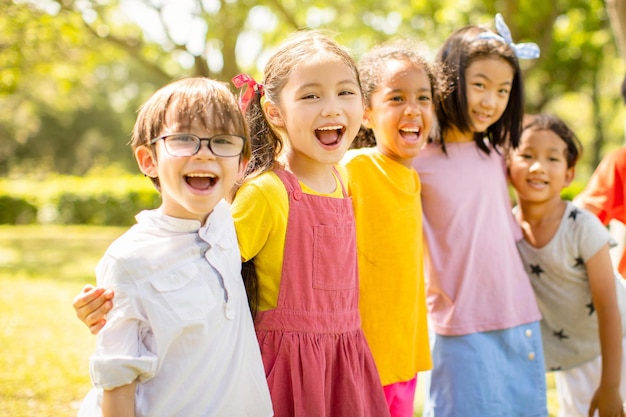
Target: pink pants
[401,397]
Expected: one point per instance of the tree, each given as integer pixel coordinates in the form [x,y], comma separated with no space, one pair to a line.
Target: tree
[69,98]
[616,10]
[73,72]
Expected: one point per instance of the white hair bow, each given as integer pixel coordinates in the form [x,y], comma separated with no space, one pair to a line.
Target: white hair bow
[528,50]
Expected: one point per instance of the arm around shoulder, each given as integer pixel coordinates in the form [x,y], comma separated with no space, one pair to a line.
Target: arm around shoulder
[91,306]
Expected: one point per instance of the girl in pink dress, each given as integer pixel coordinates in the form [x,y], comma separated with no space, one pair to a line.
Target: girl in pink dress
[296,227]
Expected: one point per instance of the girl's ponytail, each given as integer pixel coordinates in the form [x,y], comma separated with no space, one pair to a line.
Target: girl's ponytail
[266,144]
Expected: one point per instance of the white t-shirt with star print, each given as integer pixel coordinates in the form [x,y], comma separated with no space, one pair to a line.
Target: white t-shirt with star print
[569,327]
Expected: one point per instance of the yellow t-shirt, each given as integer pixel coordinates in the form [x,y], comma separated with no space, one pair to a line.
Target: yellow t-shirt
[392,300]
[260,211]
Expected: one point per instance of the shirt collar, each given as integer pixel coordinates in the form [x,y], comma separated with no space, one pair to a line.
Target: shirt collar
[217,230]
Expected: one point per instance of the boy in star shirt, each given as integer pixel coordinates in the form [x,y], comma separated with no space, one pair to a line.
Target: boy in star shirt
[565,251]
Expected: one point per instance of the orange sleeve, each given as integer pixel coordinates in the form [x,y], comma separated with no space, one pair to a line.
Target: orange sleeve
[604,194]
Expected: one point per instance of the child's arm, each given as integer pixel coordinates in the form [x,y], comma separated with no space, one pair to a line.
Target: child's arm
[119,402]
[92,305]
[607,398]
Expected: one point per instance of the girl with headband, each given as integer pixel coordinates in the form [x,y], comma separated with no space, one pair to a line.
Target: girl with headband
[484,321]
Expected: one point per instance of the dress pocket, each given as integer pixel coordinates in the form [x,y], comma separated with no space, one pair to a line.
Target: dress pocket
[334,258]
[185,292]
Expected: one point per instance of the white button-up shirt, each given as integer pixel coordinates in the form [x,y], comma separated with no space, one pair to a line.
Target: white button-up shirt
[180,324]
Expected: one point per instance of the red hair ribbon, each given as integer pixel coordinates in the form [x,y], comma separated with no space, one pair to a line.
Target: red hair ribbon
[252,88]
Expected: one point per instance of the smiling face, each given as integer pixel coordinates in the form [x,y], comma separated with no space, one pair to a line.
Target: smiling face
[488,83]
[538,168]
[401,110]
[319,111]
[191,186]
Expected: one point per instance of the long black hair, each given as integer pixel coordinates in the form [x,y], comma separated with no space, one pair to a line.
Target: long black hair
[459,51]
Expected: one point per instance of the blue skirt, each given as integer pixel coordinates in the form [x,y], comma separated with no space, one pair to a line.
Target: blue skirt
[497,373]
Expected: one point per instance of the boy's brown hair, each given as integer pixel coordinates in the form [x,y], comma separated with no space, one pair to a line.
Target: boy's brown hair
[208,103]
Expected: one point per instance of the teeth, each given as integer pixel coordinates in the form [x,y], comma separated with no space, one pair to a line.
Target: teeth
[411,129]
[201,175]
[330,128]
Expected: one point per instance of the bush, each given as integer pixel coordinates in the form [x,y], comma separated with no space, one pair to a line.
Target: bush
[104,209]
[100,200]
[16,210]
[572,190]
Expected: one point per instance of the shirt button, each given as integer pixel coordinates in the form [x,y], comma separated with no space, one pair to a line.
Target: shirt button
[528,332]
[531,356]
[297,195]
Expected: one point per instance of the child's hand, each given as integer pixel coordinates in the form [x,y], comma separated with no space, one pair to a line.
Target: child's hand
[608,402]
[92,305]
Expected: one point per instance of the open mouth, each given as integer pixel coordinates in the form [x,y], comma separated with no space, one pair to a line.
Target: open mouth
[412,134]
[201,181]
[330,135]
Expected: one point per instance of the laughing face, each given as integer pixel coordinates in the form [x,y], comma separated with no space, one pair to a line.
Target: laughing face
[488,86]
[191,186]
[401,110]
[319,111]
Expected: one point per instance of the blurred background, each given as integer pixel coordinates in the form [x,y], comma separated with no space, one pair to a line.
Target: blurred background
[73,72]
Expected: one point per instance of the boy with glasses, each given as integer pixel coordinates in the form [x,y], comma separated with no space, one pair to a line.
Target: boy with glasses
[179,340]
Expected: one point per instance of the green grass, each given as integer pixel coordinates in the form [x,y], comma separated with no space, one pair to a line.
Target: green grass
[44,359]
[44,368]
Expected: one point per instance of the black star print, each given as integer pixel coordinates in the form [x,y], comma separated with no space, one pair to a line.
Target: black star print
[591,308]
[536,270]
[560,334]
[573,214]
[580,262]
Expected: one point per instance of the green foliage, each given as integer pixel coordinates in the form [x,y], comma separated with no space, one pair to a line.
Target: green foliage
[572,190]
[111,201]
[103,208]
[69,98]
[16,211]
[72,74]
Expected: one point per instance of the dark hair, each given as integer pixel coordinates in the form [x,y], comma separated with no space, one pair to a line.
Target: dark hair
[624,89]
[208,102]
[551,122]
[300,47]
[459,51]
[372,67]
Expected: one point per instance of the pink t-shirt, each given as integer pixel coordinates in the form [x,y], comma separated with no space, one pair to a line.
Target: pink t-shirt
[475,278]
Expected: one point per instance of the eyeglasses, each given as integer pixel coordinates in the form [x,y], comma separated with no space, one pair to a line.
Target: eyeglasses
[187,144]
